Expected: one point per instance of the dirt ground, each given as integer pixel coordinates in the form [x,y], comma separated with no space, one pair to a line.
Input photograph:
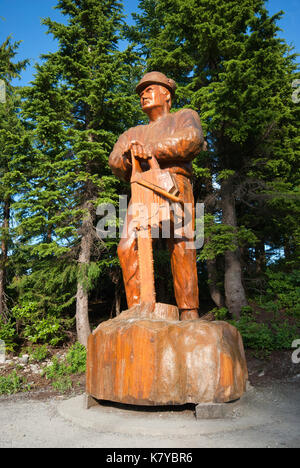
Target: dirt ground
[270,417]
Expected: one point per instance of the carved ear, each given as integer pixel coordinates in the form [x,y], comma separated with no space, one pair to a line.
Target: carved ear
[165,91]
[169,98]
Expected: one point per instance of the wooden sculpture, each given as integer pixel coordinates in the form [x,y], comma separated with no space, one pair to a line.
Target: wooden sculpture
[158,354]
[173,140]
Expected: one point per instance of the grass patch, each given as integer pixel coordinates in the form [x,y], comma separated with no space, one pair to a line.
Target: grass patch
[13,383]
[60,371]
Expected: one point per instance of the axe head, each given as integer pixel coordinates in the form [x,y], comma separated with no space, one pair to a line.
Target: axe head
[160,178]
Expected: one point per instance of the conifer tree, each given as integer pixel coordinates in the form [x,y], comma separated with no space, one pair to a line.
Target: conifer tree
[13,147]
[80,101]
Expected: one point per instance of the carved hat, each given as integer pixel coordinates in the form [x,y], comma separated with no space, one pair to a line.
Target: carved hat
[156,77]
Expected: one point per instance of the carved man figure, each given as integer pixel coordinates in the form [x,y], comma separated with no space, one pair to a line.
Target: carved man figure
[174,139]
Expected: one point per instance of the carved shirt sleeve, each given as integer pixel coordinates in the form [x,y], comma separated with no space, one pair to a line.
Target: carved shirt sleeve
[118,162]
[185,140]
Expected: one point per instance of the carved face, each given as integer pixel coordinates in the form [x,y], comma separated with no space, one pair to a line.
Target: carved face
[154,96]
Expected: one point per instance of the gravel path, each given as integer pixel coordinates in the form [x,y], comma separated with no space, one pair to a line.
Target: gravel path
[270,417]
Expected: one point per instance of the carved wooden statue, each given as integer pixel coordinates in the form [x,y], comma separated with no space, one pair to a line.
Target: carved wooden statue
[146,355]
[164,149]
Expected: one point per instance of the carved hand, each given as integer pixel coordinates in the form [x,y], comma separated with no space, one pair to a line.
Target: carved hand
[138,150]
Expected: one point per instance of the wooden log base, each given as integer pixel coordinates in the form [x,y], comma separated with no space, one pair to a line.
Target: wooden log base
[146,356]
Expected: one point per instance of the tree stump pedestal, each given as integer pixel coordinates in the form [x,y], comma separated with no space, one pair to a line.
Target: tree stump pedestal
[146,356]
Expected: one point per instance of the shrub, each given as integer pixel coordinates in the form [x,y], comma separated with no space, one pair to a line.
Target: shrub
[220,314]
[263,337]
[76,359]
[36,326]
[284,334]
[257,336]
[40,353]
[282,293]
[59,371]
[12,383]
[8,334]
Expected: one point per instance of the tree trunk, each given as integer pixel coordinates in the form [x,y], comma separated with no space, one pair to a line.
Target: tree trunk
[3,260]
[82,316]
[289,248]
[234,289]
[260,257]
[212,270]
[118,299]
[2,314]
[246,261]
[214,290]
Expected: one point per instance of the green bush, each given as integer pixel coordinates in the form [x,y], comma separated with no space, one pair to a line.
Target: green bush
[220,314]
[282,293]
[257,336]
[76,359]
[36,326]
[283,335]
[62,384]
[55,369]
[280,300]
[59,371]
[40,353]
[12,383]
[8,334]
[263,337]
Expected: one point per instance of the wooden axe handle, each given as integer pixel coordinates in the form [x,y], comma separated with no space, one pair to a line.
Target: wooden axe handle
[158,190]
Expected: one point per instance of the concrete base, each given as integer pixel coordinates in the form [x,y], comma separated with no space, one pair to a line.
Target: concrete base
[90,401]
[202,410]
[162,421]
[217,410]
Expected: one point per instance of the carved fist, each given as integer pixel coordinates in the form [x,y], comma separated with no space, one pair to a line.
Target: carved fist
[139,150]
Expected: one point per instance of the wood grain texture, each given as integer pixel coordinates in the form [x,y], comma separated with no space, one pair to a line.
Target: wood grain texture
[150,360]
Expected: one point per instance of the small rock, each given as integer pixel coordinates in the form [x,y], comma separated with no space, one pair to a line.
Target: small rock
[34,369]
[24,359]
[249,387]
[261,374]
[295,377]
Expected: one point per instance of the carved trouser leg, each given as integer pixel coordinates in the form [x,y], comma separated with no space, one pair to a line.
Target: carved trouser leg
[183,259]
[183,253]
[128,256]
[184,271]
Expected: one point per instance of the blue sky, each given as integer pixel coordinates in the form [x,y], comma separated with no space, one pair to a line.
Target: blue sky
[22,20]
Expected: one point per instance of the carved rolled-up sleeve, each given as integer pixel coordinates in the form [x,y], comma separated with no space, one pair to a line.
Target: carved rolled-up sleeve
[118,162]
[184,142]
